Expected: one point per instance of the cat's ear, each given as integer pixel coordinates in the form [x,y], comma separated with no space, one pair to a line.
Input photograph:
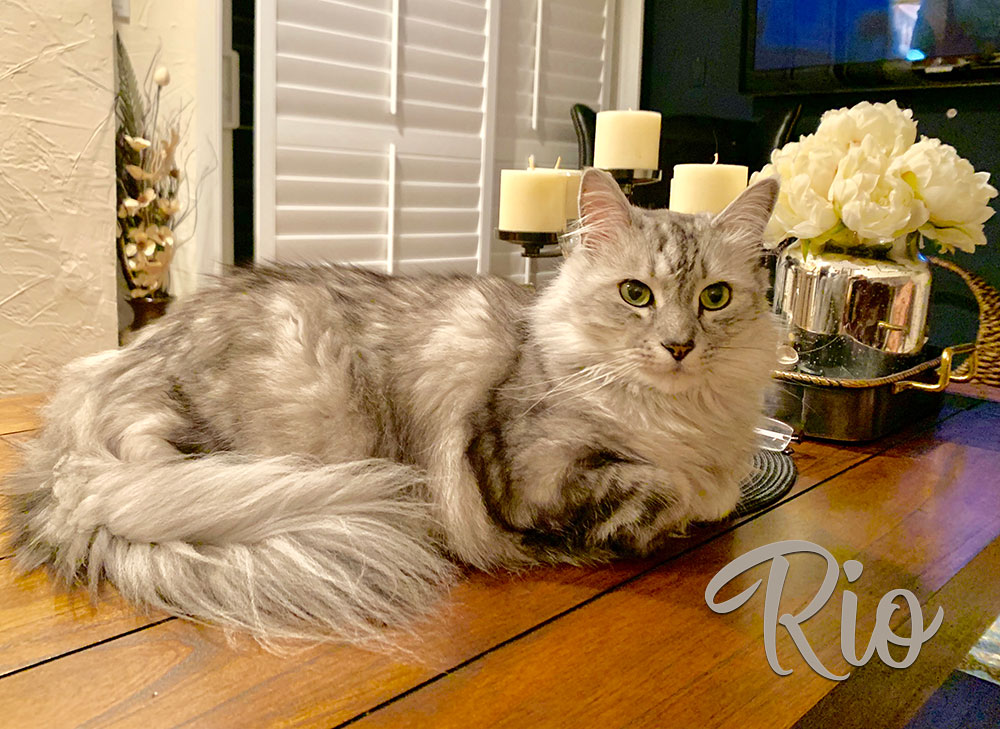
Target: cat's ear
[604,209]
[746,217]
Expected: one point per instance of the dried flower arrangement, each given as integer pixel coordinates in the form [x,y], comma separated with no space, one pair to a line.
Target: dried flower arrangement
[149,180]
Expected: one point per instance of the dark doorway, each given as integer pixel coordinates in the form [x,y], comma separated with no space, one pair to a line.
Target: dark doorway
[243,216]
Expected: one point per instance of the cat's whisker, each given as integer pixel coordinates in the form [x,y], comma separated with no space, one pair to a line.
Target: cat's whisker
[619,354]
[603,380]
[536,383]
[584,378]
[593,373]
[567,381]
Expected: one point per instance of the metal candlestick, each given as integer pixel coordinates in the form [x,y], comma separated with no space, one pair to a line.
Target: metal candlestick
[630,179]
[533,245]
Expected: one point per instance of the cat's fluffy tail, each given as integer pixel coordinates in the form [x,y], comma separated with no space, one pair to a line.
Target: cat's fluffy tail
[276,547]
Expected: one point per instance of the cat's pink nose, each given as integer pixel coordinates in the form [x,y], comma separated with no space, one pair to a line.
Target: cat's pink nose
[679,350]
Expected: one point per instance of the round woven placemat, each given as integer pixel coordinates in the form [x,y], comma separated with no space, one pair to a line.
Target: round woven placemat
[774,476]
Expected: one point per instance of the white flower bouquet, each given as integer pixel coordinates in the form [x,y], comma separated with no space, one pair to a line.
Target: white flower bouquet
[863,177]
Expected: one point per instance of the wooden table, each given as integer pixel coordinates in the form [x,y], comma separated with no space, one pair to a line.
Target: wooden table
[628,645]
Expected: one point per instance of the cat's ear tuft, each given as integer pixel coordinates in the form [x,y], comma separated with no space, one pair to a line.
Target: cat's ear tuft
[604,209]
[748,214]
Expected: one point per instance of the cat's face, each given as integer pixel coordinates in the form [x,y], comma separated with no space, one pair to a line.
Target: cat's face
[659,298]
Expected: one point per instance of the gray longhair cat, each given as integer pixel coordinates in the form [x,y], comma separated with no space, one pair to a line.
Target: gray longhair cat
[305,452]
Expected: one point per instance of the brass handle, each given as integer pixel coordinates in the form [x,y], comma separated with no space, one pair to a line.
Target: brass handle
[886,326]
[945,377]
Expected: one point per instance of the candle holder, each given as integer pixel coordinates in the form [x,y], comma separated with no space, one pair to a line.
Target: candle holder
[533,245]
[630,179]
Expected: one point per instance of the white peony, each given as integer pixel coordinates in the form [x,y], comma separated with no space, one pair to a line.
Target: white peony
[963,237]
[893,129]
[873,201]
[956,196]
[806,169]
[862,173]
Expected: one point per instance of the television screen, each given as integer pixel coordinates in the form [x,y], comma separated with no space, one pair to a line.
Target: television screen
[887,42]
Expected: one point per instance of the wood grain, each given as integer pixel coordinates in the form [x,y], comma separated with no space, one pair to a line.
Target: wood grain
[884,697]
[9,458]
[177,673]
[203,680]
[18,417]
[18,414]
[8,455]
[200,679]
[652,650]
[39,620]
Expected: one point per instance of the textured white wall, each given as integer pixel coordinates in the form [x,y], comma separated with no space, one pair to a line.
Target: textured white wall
[57,191]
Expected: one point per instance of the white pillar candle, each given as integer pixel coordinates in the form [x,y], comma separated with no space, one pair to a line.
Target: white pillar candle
[572,193]
[533,201]
[627,140]
[710,188]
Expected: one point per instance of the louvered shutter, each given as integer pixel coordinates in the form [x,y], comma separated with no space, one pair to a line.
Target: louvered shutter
[475,86]
[544,69]
[352,180]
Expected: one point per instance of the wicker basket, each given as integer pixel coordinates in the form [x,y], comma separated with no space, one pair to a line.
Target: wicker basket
[987,368]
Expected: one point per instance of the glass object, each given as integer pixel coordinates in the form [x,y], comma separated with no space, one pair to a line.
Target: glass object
[773,435]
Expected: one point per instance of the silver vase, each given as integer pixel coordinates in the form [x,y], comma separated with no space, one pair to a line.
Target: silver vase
[858,310]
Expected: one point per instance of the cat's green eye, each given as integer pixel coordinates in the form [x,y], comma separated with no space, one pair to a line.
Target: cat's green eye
[635,293]
[716,296]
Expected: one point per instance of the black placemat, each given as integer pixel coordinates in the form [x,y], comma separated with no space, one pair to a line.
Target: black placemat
[774,476]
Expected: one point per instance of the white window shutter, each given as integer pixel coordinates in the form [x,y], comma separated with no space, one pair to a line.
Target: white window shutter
[544,69]
[568,63]
[377,132]
[382,125]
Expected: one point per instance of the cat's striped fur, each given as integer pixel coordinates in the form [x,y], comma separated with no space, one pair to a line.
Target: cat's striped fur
[302,451]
